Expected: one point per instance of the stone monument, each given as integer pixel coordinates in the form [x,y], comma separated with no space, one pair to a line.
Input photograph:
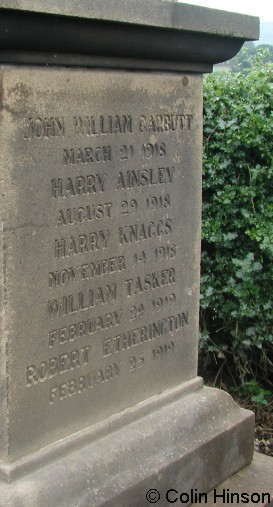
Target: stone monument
[101,154]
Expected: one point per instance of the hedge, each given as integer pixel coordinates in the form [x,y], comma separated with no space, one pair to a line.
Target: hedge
[237,240]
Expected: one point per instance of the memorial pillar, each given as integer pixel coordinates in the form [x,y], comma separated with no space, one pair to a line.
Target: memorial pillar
[101,157]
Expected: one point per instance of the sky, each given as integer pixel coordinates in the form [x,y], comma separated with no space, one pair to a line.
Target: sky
[261,8]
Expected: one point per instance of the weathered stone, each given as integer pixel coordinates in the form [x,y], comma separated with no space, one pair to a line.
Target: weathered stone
[252,485]
[192,442]
[121,34]
[101,203]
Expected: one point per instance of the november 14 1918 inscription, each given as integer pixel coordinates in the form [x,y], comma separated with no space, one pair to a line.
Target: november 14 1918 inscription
[101,203]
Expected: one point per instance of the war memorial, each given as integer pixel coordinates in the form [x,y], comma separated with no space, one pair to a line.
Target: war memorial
[101,161]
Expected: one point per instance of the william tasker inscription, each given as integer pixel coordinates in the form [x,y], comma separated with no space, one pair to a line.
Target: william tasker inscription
[106,242]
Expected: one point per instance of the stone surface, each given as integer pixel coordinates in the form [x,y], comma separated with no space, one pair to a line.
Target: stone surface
[101,196]
[121,33]
[193,442]
[255,480]
[152,13]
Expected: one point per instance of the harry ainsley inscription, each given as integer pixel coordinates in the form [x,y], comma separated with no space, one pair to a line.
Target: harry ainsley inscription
[106,223]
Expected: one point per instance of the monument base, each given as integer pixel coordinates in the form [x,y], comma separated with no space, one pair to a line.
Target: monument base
[191,444]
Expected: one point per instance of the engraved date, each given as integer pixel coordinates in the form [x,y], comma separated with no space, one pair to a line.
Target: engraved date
[154,203]
[129,207]
[126,152]
[151,150]
[167,252]
[135,363]
[163,351]
[139,257]
[161,302]
[136,311]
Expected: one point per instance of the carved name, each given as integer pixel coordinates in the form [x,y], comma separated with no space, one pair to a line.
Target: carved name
[139,232]
[44,128]
[79,185]
[73,303]
[165,122]
[145,177]
[150,281]
[144,334]
[57,365]
[83,243]
[102,125]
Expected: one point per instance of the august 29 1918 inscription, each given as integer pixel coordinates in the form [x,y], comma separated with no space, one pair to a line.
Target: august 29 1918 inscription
[100,243]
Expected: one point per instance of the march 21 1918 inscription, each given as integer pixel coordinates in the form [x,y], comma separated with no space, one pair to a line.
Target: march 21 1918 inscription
[101,206]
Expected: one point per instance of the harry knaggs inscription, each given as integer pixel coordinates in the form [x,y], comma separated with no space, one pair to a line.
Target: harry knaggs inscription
[102,243]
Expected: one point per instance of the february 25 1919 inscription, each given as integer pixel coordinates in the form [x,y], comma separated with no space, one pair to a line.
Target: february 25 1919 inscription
[101,207]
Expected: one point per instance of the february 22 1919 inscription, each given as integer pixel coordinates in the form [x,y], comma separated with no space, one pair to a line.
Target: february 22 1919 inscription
[101,206]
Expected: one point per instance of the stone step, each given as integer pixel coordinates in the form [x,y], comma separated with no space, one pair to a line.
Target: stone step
[254,481]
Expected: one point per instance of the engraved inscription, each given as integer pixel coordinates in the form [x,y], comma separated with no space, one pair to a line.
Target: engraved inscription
[151,150]
[154,202]
[57,365]
[98,240]
[101,234]
[72,216]
[74,303]
[126,152]
[145,177]
[102,125]
[129,207]
[44,128]
[149,282]
[79,185]
[82,272]
[167,252]
[82,383]
[84,328]
[136,362]
[75,156]
[140,232]
[136,311]
[163,351]
[144,334]
[160,302]
[140,257]
[92,242]
[165,122]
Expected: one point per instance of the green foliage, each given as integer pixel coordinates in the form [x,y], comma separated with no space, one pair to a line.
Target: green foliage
[254,390]
[267,47]
[242,61]
[237,248]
